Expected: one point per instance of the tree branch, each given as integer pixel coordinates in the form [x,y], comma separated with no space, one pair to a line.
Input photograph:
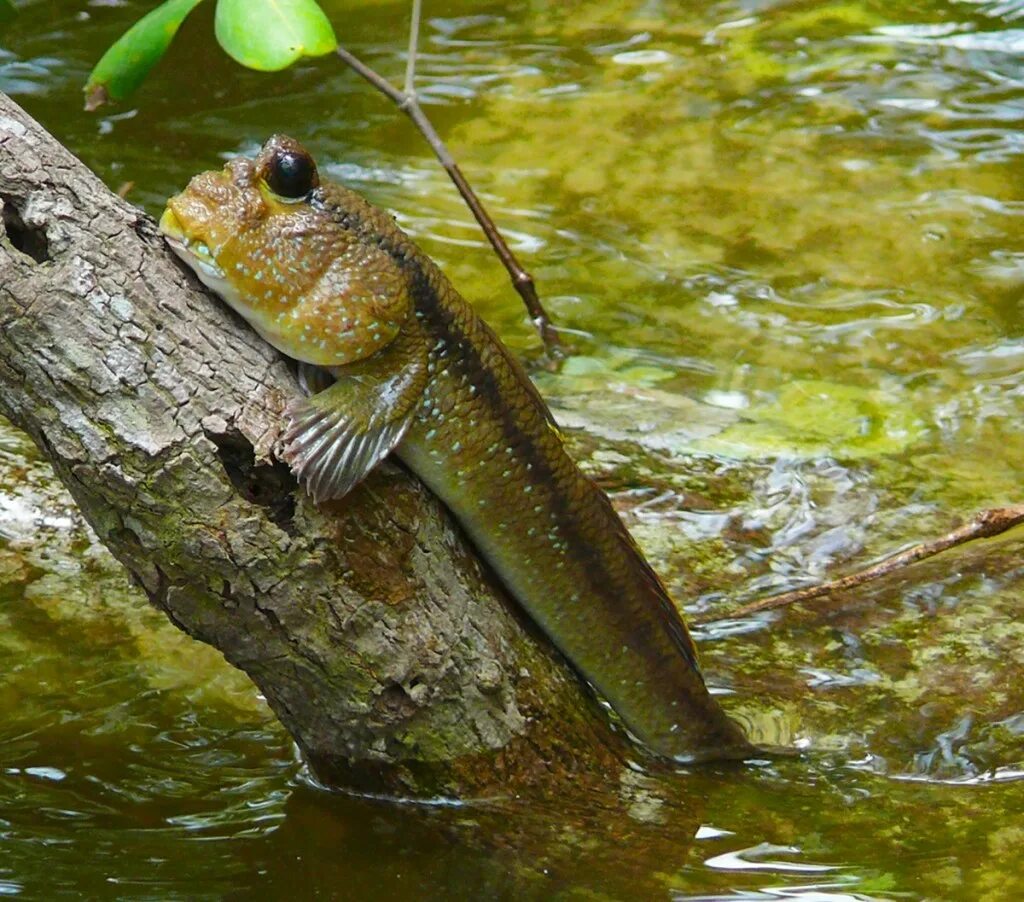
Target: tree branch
[985,525]
[385,650]
[407,101]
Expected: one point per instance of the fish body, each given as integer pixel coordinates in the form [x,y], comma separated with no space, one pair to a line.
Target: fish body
[333,282]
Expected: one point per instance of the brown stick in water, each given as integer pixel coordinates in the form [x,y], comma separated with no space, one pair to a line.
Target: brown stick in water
[984,525]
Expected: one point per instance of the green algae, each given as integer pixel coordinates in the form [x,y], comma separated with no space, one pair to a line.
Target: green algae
[814,418]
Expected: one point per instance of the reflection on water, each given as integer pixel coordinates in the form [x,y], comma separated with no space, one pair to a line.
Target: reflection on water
[785,239]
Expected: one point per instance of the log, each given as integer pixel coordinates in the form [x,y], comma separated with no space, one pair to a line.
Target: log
[390,655]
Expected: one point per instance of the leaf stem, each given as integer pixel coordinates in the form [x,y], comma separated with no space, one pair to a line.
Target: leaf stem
[407,101]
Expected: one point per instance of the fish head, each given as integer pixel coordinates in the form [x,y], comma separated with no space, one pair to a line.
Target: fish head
[273,242]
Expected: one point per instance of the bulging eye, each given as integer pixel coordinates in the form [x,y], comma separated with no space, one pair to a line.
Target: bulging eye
[291,174]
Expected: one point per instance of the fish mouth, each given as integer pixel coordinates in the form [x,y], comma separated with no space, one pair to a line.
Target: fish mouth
[195,253]
[200,260]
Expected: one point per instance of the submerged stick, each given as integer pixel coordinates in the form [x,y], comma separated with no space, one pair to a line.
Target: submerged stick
[407,101]
[984,525]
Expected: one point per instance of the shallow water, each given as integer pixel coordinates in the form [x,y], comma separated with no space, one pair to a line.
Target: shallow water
[785,240]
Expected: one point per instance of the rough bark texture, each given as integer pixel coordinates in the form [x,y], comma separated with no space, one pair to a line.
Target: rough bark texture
[370,628]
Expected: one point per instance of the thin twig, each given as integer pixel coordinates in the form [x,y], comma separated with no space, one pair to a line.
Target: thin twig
[982,526]
[410,62]
[409,104]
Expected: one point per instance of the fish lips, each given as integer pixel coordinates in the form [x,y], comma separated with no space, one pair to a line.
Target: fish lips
[195,253]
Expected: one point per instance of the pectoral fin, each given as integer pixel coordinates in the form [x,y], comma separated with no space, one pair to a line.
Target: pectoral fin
[338,435]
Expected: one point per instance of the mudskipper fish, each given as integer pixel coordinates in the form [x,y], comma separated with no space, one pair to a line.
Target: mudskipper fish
[331,281]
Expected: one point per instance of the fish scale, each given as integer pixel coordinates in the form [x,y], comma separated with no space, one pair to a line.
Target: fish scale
[418,371]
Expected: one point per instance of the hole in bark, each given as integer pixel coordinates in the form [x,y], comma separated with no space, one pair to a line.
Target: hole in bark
[28,239]
[395,700]
[272,487]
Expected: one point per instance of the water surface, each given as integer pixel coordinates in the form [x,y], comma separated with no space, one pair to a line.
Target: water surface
[785,239]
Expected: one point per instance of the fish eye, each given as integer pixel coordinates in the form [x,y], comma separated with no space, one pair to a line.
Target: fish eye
[291,174]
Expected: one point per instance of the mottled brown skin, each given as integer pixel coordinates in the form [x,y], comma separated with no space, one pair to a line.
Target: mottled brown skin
[479,434]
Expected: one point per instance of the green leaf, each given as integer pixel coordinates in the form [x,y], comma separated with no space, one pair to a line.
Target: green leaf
[7,11]
[272,34]
[126,64]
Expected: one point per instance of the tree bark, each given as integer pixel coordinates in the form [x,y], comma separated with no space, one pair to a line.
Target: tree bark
[391,657]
